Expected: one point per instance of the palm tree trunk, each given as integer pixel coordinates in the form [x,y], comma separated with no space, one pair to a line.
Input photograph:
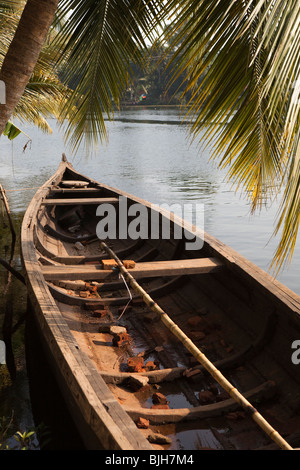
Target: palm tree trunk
[24,51]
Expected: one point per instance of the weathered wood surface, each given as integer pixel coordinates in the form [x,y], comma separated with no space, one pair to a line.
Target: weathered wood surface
[198,354]
[147,269]
[80,201]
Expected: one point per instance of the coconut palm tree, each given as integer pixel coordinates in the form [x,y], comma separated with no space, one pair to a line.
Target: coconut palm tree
[243,62]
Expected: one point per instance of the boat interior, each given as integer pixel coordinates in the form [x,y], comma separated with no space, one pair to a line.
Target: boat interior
[245,330]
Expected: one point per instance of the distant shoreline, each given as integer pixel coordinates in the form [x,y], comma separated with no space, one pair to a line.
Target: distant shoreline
[138,105]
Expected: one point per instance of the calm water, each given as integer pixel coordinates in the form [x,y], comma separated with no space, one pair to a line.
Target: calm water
[148,155]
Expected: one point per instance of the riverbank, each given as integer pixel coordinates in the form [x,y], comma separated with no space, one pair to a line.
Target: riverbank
[15,402]
[147,155]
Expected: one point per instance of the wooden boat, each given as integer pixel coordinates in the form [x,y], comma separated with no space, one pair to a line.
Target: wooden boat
[156,346]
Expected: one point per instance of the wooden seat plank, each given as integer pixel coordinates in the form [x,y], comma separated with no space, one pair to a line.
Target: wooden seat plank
[146,269]
[75,190]
[77,201]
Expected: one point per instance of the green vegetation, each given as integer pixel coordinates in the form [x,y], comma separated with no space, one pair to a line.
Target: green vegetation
[233,66]
[13,298]
[151,85]
[44,95]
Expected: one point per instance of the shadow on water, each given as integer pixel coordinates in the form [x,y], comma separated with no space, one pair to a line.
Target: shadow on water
[29,396]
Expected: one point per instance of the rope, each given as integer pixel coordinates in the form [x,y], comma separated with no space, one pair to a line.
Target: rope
[233,392]
[130,296]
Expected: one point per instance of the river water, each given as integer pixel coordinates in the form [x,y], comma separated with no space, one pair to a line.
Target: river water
[148,154]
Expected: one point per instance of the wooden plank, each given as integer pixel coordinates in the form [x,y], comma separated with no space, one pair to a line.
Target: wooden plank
[85,200]
[147,269]
[75,190]
[78,377]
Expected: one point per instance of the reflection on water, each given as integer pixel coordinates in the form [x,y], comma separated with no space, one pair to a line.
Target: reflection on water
[200,440]
[149,155]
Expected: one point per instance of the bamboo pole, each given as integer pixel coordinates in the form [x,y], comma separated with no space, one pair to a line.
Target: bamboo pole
[216,374]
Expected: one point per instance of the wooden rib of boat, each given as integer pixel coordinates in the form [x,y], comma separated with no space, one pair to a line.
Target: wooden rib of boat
[104,308]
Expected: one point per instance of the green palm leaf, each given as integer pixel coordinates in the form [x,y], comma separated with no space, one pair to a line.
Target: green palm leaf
[245,61]
[11,131]
[242,62]
[9,18]
[44,95]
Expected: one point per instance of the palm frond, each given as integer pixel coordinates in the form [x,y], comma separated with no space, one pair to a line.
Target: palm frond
[43,99]
[245,61]
[103,38]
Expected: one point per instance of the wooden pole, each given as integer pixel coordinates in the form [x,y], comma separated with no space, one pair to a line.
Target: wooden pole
[13,234]
[12,270]
[218,376]
[5,201]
